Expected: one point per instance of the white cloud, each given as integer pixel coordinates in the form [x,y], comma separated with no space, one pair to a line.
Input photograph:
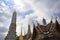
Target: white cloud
[1,36]
[4,17]
[1,24]
[3,4]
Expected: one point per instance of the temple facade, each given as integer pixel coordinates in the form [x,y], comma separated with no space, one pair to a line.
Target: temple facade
[50,31]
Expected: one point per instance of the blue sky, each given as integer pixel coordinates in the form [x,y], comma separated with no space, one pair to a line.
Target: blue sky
[7,2]
[26,11]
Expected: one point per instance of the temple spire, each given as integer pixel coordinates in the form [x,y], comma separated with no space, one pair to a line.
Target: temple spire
[12,29]
[56,22]
[51,26]
[44,22]
[29,30]
[28,36]
[57,25]
[51,20]
[34,32]
[14,17]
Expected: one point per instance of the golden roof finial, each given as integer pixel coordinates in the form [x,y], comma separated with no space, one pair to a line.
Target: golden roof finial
[21,30]
[21,36]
